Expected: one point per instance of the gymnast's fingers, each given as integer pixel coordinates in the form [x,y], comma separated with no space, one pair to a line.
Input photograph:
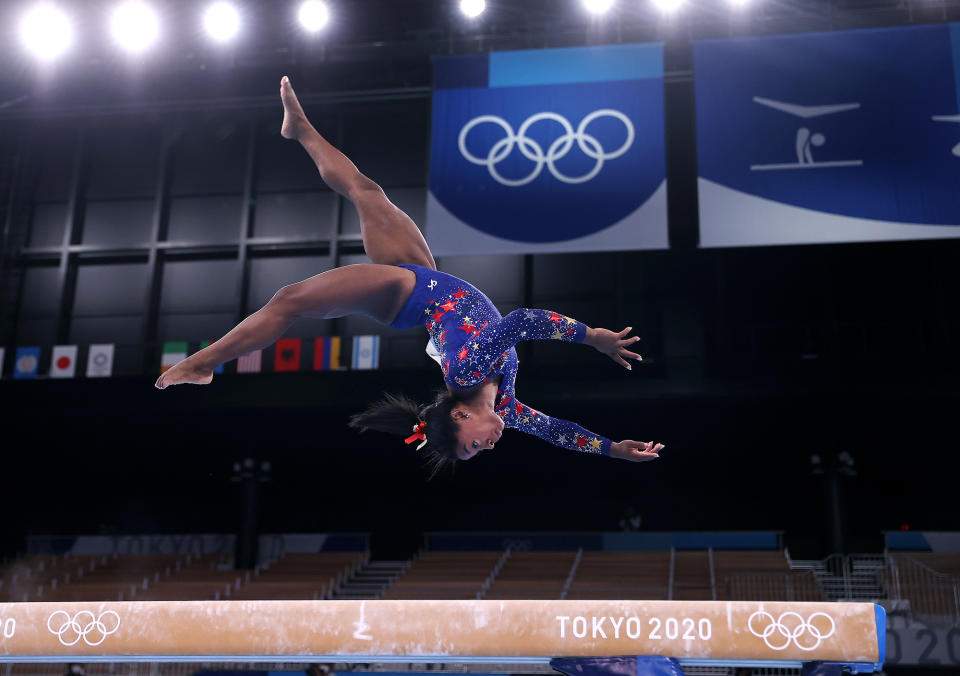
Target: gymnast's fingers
[625,332]
[620,360]
[629,341]
[632,355]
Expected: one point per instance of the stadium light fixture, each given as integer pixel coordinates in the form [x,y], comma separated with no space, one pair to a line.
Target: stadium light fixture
[46,31]
[314,15]
[135,26]
[668,6]
[473,8]
[598,6]
[222,21]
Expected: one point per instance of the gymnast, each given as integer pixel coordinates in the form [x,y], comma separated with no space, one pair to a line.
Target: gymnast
[472,342]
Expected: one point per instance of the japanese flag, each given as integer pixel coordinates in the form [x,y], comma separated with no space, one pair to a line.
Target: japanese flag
[63,363]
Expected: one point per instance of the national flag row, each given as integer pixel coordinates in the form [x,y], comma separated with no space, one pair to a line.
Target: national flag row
[288,354]
[63,361]
[293,354]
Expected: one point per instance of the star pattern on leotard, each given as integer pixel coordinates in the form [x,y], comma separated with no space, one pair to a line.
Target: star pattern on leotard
[476,343]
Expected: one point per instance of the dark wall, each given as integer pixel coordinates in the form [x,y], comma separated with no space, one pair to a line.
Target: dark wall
[120,456]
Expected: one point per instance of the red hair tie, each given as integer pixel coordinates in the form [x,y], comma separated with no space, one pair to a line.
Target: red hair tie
[418,434]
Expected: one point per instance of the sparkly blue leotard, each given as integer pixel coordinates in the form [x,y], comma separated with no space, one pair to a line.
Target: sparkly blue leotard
[475,343]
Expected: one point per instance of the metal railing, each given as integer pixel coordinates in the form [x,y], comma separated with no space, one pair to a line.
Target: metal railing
[900,582]
[933,597]
[770,587]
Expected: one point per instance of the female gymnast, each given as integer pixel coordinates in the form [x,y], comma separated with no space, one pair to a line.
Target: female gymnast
[403,288]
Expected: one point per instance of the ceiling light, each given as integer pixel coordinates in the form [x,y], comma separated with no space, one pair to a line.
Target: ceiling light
[598,6]
[222,21]
[46,32]
[314,15]
[473,8]
[135,26]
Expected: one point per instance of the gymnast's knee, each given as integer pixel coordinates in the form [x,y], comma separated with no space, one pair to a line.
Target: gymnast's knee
[363,189]
[290,299]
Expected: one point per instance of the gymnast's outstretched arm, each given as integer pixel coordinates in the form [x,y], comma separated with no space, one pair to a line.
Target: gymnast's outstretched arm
[570,435]
[530,324]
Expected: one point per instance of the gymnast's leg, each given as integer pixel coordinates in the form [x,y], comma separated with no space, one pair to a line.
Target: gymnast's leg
[390,237]
[378,291]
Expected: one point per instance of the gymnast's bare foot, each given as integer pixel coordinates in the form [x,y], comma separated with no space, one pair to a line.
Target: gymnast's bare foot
[294,119]
[184,371]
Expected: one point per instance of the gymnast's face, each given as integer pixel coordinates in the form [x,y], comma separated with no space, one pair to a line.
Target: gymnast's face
[479,430]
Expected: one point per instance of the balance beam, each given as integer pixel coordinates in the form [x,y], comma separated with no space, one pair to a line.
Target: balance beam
[694,632]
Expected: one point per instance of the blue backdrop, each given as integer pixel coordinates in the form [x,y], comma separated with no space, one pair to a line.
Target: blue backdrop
[548,150]
[842,136]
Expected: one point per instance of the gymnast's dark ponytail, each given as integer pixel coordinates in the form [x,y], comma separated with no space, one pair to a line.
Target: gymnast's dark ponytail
[397,414]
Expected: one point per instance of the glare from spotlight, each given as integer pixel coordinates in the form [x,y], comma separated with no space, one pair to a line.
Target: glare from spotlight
[222,21]
[46,32]
[738,3]
[473,8]
[135,26]
[668,6]
[314,15]
[598,6]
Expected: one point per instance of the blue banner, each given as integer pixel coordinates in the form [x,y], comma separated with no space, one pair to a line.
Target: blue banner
[548,150]
[829,137]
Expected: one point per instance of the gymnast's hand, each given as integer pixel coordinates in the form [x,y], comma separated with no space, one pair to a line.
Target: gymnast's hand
[614,345]
[635,451]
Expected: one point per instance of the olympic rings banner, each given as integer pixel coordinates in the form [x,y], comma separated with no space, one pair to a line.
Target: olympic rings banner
[829,137]
[548,151]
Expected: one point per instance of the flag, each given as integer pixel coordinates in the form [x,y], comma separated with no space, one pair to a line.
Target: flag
[100,361]
[208,343]
[287,355]
[366,352]
[63,362]
[26,363]
[326,353]
[2,351]
[172,353]
[250,363]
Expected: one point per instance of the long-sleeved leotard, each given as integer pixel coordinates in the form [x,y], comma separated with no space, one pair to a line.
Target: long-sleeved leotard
[475,343]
